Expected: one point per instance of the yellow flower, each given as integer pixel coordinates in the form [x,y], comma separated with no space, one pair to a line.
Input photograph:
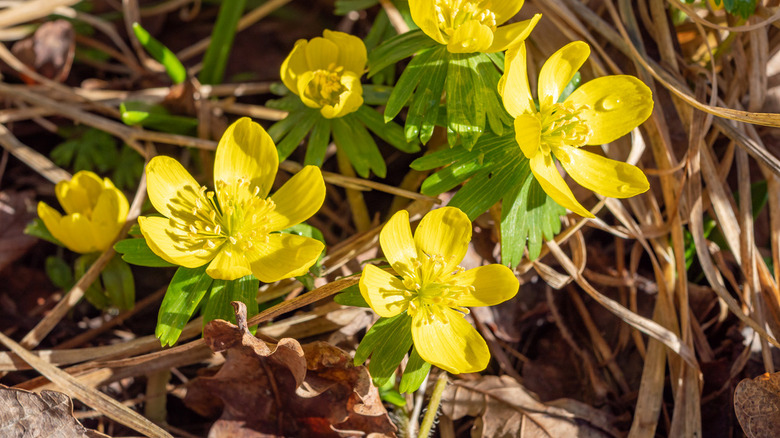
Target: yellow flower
[597,112]
[234,228]
[325,72]
[433,290]
[468,26]
[95,212]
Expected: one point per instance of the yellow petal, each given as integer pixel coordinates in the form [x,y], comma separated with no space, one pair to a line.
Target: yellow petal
[349,101]
[492,284]
[454,345]
[602,175]
[78,234]
[303,84]
[559,69]
[170,186]
[528,134]
[283,256]
[173,245]
[512,34]
[294,66]
[615,105]
[228,264]
[505,9]
[471,36]
[424,15]
[247,151]
[546,173]
[79,194]
[352,51]
[444,233]
[51,219]
[108,217]
[383,292]
[298,199]
[321,53]
[398,244]
[513,85]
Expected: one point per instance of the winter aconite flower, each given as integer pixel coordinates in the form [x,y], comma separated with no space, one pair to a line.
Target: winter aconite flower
[95,212]
[597,112]
[433,290]
[325,72]
[235,228]
[468,26]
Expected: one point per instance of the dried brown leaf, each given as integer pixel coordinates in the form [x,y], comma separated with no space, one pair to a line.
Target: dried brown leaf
[16,210]
[49,51]
[27,414]
[504,408]
[757,405]
[285,389]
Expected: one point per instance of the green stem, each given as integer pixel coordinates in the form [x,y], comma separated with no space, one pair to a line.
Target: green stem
[433,406]
[215,60]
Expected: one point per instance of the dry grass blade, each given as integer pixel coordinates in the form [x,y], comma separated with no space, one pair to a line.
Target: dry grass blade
[91,397]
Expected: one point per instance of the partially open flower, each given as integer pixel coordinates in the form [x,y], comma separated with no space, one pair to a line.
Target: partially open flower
[235,228]
[597,112]
[325,72]
[433,290]
[468,26]
[95,212]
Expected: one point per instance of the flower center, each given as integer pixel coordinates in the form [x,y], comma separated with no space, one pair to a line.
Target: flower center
[452,14]
[326,87]
[562,125]
[429,288]
[235,216]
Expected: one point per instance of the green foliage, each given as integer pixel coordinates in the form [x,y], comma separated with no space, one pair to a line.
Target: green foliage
[351,296]
[87,149]
[37,229]
[137,252]
[162,54]
[115,287]
[185,292]
[496,170]
[58,271]
[415,372]
[743,8]
[215,59]
[387,342]
[223,292]
[156,117]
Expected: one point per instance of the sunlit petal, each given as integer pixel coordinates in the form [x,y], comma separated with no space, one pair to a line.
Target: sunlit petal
[452,345]
[352,51]
[349,101]
[173,245]
[546,173]
[320,53]
[283,256]
[108,217]
[424,15]
[505,9]
[383,292]
[298,199]
[602,175]
[77,234]
[559,69]
[470,37]
[512,34]
[492,284]
[528,131]
[615,106]
[246,151]
[398,244]
[303,83]
[166,180]
[444,233]
[228,264]
[294,66]
[513,85]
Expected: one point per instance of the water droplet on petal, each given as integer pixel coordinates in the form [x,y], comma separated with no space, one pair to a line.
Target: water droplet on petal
[608,103]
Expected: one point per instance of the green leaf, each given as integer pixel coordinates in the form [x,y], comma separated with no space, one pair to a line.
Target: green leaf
[304,122]
[419,66]
[94,293]
[397,48]
[89,149]
[387,342]
[162,54]
[185,292]
[119,284]
[390,132]
[392,396]
[59,272]
[36,228]
[414,374]
[496,170]
[351,296]
[743,8]
[156,117]
[352,137]
[223,292]
[423,110]
[137,252]
[129,173]
[376,94]
[319,138]
[215,59]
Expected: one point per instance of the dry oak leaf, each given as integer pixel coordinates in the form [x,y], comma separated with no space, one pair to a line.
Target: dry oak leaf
[757,405]
[504,408]
[285,389]
[49,51]
[25,414]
